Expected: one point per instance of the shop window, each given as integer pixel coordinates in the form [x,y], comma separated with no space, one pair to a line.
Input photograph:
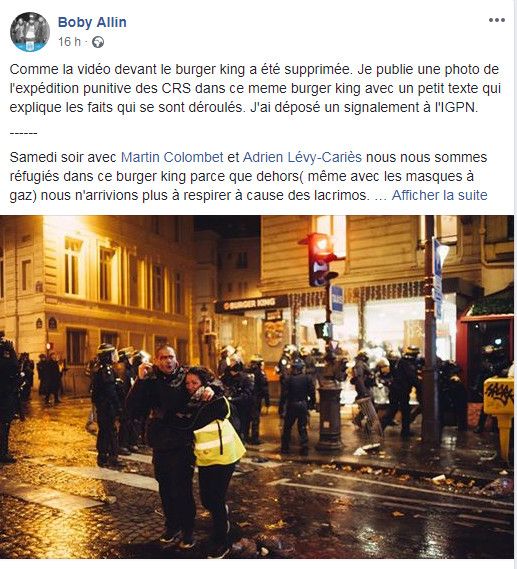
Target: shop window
[109,338]
[26,276]
[158,287]
[335,226]
[445,229]
[105,273]
[242,260]
[2,289]
[75,346]
[73,249]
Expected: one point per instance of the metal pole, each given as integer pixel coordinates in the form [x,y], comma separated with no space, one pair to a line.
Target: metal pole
[431,428]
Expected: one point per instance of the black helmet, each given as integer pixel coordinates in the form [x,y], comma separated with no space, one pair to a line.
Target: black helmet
[106,352]
[140,357]
[236,364]
[362,355]
[125,353]
[256,359]
[412,351]
[297,365]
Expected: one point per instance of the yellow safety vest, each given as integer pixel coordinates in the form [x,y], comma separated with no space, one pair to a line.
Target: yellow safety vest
[218,443]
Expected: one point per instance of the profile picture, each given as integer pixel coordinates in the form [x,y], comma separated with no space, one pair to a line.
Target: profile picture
[30,31]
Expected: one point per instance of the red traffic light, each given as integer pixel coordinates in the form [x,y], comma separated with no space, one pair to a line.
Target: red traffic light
[321,253]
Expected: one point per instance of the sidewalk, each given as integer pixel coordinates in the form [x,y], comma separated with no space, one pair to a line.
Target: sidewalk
[461,455]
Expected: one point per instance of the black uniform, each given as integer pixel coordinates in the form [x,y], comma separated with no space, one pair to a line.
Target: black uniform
[297,397]
[260,393]
[238,389]
[159,397]
[405,377]
[399,390]
[107,402]
[9,392]
[127,433]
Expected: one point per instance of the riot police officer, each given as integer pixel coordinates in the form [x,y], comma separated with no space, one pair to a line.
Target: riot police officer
[238,389]
[107,403]
[9,392]
[363,381]
[127,433]
[260,393]
[296,399]
[406,377]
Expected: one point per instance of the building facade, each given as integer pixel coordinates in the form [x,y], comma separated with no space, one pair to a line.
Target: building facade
[69,283]
[381,276]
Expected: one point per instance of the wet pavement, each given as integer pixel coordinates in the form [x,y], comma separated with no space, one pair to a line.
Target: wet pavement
[56,503]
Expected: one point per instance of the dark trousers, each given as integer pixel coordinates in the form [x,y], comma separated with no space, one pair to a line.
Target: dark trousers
[255,419]
[127,434]
[399,400]
[55,393]
[107,443]
[4,438]
[174,469]
[295,412]
[213,485]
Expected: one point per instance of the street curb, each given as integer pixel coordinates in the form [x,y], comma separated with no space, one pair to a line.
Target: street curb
[356,464]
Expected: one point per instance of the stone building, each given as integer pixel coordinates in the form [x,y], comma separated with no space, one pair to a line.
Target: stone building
[68,283]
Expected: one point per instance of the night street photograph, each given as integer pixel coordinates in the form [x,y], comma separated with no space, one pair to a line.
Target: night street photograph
[257,387]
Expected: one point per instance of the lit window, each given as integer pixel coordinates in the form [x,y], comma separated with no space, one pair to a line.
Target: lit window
[26,275]
[72,264]
[105,273]
[334,225]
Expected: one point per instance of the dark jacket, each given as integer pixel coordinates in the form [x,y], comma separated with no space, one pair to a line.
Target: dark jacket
[297,388]
[104,390]
[9,386]
[52,376]
[159,398]
[405,376]
[362,379]
[260,385]
[197,414]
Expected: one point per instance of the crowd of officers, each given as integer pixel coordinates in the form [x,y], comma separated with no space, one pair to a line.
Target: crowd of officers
[372,372]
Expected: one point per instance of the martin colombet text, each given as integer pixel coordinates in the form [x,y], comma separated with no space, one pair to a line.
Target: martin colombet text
[88,23]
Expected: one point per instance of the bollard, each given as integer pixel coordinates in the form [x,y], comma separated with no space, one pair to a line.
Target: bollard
[330,418]
[498,401]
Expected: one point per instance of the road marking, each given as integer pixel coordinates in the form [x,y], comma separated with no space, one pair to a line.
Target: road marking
[506,505]
[481,519]
[406,506]
[45,496]
[501,530]
[339,491]
[467,525]
[126,478]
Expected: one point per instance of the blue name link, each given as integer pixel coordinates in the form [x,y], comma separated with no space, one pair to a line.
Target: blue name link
[87,23]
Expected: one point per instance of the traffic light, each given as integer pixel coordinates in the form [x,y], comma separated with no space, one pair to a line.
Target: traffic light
[321,253]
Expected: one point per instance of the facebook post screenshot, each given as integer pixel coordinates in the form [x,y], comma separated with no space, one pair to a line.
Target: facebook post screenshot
[257,281]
